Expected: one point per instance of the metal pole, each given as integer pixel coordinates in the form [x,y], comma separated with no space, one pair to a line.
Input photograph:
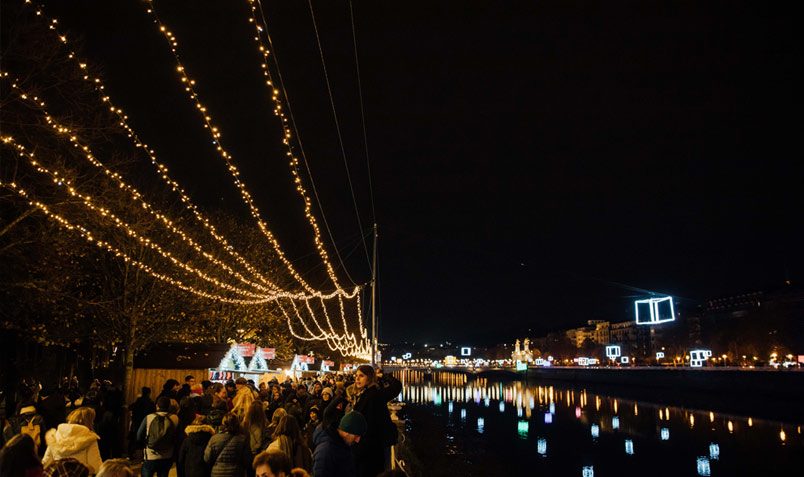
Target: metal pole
[374,303]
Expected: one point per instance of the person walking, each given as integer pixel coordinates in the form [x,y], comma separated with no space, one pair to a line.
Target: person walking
[372,399]
[289,439]
[333,453]
[26,421]
[191,454]
[158,434]
[75,439]
[227,452]
[143,406]
[256,426]
[18,457]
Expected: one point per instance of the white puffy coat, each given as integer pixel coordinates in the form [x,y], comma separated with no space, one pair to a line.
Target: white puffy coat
[73,440]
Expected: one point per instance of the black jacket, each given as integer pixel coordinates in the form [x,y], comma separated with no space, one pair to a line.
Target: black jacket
[381,432]
[191,454]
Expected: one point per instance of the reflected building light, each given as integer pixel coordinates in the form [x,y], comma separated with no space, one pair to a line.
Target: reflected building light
[450,407]
[714,451]
[711,416]
[731,427]
[588,471]
[595,431]
[615,422]
[552,408]
[532,403]
[665,433]
[502,406]
[703,467]
[629,447]
[597,402]
[577,412]
[548,418]
[750,422]
[519,412]
[463,414]
[541,447]
[660,414]
[615,406]
[782,435]
[692,420]
[486,402]
[636,410]
[481,424]
[522,428]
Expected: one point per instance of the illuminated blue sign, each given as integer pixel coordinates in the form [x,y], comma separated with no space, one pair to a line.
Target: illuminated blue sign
[714,451]
[541,447]
[629,447]
[624,360]
[595,431]
[522,428]
[615,422]
[406,356]
[613,351]
[588,471]
[481,424]
[660,355]
[665,433]
[655,311]
[703,467]
[466,351]
[698,356]
[520,366]
[548,418]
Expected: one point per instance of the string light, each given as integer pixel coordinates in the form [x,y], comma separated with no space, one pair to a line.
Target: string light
[347,342]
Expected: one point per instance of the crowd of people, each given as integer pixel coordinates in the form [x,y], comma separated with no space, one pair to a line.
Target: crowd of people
[331,426]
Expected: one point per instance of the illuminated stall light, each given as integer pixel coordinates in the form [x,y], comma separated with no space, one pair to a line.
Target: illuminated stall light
[588,471]
[541,447]
[703,467]
[665,433]
[615,422]
[714,451]
[654,311]
[595,431]
[522,428]
[629,447]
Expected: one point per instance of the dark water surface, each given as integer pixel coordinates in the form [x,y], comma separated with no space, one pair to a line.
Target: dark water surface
[459,424]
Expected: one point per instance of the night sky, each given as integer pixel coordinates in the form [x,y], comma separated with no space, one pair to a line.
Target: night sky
[533,162]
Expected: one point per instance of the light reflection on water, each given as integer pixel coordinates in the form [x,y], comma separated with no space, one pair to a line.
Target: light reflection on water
[584,430]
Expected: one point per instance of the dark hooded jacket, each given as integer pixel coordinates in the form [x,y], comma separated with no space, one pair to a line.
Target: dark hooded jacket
[332,456]
[191,454]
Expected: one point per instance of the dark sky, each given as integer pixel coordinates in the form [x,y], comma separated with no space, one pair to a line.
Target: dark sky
[526,156]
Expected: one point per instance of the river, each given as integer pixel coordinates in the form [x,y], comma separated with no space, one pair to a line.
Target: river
[459,424]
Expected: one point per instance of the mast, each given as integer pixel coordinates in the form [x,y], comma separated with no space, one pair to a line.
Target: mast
[374,303]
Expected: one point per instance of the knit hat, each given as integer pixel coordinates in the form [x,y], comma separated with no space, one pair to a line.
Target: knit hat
[353,423]
[327,391]
[66,468]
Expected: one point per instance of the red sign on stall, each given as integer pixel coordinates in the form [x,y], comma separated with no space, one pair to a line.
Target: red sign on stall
[268,353]
[246,350]
[306,359]
[329,363]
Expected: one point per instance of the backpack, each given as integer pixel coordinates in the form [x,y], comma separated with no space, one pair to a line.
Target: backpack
[161,434]
[33,430]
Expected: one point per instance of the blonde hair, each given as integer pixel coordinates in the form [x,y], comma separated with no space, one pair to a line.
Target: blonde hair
[115,468]
[84,416]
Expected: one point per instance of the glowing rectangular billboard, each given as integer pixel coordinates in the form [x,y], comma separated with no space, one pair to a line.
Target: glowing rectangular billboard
[654,311]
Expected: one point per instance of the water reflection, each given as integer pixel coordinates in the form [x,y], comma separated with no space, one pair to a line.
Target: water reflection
[579,422]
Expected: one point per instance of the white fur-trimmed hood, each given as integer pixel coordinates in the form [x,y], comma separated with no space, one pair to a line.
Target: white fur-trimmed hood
[70,438]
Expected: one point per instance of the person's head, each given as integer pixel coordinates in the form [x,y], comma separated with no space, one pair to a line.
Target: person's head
[326,394]
[263,386]
[18,455]
[200,420]
[279,413]
[115,468]
[240,382]
[163,403]
[365,377]
[255,416]
[146,391]
[84,416]
[230,387]
[272,463]
[299,472]
[66,468]
[275,392]
[170,385]
[315,413]
[189,380]
[352,427]
[301,392]
[288,426]
[230,424]
[205,384]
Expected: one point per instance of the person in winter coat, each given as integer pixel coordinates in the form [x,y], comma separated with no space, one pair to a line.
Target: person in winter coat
[289,439]
[227,452]
[333,453]
[18,457]
[139,410]
[27,421]
[311,425]
[277,416]
[75,439]
[191,454]
[242,399]
[158,460]
[372,401]
[170,389]
[255,426]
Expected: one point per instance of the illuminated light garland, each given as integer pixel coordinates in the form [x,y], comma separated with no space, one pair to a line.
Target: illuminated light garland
[216,136]
[120,224]
[360,350]
[120,254]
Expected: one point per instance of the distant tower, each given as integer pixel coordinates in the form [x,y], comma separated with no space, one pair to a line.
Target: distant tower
[516,349]
[527,345]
